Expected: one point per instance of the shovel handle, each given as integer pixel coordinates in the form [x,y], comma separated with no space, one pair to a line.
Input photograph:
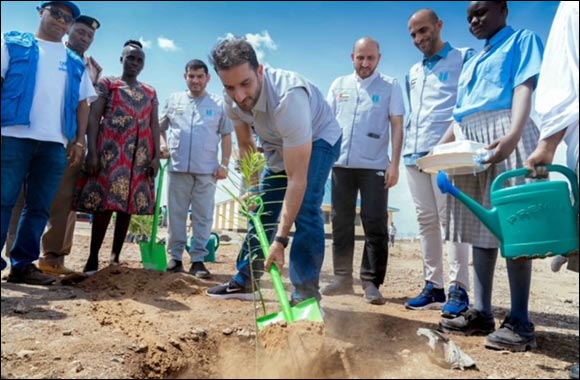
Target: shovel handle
[158,202]
[274,271]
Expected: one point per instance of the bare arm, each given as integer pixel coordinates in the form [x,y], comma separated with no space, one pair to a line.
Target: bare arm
[77,148]
[163,150]
[226,144]
[449,136]
[392,175]
[95,70]
[521,108]
[154,120]
[544,153]
[95,115]
[296,162]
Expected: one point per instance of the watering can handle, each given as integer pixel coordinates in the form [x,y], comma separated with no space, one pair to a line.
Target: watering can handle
[217,239]
[499,181]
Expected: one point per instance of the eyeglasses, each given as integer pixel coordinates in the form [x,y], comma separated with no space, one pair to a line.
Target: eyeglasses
[59,14]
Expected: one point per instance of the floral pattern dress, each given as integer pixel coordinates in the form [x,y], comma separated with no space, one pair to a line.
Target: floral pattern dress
[125,150]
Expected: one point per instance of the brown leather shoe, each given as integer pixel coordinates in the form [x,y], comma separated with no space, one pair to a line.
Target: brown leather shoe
[56,269]
[29,274]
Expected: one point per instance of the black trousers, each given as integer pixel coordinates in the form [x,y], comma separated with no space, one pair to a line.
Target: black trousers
[346,184]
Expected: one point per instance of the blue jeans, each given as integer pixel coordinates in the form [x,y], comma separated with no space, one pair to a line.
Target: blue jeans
[42,165]
[307,251]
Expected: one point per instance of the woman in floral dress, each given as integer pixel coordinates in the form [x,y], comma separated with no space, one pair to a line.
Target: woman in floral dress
[123,154]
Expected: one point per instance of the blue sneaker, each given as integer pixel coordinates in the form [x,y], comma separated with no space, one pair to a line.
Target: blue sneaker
[430,298]
[458,302]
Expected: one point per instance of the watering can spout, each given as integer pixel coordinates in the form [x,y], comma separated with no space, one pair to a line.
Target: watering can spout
[488,217]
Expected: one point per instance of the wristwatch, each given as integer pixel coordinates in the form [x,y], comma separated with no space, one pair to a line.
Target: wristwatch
[282,240]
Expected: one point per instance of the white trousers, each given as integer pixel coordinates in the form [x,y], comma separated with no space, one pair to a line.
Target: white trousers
[430,205]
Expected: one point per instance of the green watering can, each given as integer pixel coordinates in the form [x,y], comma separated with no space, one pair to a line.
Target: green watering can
[212,245]
[530,220]
[153,253]
[306,310]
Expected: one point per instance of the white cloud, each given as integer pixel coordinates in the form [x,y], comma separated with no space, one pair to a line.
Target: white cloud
[167,44]
[260,42]
[146,44]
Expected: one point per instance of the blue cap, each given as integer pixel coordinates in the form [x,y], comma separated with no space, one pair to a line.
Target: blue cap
[76,12]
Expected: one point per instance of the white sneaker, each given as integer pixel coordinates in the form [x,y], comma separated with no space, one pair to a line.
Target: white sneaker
[557,263]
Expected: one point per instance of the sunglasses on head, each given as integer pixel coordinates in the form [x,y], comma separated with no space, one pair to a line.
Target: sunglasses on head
[59,14]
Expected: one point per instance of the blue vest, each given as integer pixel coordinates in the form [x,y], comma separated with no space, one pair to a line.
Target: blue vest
[20,81]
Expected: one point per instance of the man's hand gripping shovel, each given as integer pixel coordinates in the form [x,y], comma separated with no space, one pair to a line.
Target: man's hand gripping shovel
[307,310]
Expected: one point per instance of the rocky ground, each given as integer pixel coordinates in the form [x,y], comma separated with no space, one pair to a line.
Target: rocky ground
[126,322]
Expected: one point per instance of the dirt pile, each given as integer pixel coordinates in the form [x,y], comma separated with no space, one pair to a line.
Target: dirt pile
[127,322]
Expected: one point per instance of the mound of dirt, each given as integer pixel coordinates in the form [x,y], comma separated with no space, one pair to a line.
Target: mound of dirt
[128,322]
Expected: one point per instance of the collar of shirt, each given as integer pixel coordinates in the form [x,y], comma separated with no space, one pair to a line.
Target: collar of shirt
[499,37]
[364,83]
[261,103]
[430,62]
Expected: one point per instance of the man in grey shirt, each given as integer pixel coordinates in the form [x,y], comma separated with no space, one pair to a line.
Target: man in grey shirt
[301,141]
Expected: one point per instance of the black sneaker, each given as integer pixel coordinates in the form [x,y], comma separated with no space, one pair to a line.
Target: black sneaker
[232,290]
[175,266]
[512,336]
[199,270]
[473,322]
[31,275]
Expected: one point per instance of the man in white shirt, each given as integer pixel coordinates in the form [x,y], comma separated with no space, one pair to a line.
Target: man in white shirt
[44,107]
[369,107]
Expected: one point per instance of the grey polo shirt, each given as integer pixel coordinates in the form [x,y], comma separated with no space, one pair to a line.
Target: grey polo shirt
[290,112]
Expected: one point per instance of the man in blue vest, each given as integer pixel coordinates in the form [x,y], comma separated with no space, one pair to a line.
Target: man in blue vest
[432,90]
[57,241]
[45,89]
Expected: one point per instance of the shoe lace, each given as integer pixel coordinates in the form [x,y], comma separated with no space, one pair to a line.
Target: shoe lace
[456,296]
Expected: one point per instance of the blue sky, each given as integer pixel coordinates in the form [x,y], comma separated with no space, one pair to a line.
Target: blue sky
[312,38]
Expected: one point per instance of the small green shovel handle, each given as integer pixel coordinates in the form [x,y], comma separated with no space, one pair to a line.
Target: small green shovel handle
[162,168]
[274,271]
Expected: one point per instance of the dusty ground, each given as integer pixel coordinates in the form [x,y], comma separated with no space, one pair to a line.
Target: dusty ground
[126,322]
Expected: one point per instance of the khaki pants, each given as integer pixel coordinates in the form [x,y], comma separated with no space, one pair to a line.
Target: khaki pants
[57,240]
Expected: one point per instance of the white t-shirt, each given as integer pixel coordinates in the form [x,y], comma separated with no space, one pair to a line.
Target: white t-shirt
[47,112]
[557,91]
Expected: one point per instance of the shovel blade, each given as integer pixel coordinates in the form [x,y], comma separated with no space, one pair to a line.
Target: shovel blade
[307,310]
[153,256]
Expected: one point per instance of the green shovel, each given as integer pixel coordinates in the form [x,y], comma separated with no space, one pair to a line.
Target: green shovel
[153,253]
[306,310]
